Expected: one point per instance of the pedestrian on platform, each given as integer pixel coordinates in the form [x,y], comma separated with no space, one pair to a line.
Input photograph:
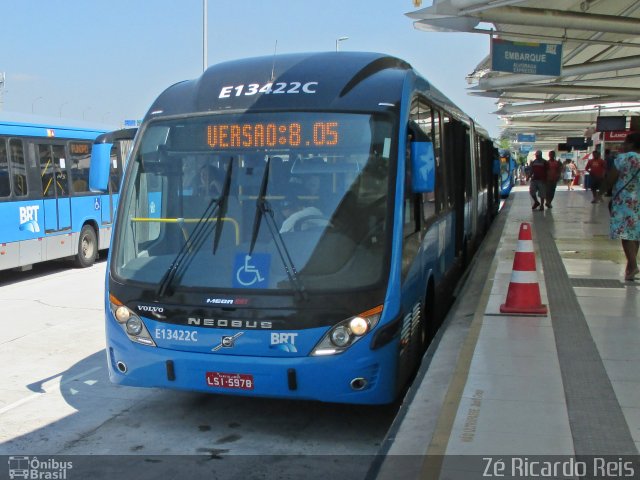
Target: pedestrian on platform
[625,204]
[568,173]
[554,172]
[597,169]
[538,168]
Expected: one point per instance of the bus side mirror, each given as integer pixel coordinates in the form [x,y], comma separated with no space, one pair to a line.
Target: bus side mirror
[100,167]
[423,163]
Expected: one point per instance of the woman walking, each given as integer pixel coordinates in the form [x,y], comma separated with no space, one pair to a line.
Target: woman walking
[568,173]
[625,206]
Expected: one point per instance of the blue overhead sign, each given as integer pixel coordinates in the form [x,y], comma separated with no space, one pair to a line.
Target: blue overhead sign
[524,57]
[526,138]
[526,148]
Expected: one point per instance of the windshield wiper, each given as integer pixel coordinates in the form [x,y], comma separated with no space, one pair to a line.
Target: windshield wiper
[263,209]
[194,241]
[222,211]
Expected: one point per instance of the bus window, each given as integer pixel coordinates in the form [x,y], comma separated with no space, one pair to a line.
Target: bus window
[411,206]
[427,119]
[53,170]
[46,171]
[114,175]
[62,180]
[5,187]
[441,184]
[79,157]
[18,168]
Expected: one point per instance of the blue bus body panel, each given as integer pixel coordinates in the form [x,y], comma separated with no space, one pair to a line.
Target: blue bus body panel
[86,209]
[22,220]
[317,378]
[57,214]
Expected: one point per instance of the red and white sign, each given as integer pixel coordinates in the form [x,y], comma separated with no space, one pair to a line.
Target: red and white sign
[617,136]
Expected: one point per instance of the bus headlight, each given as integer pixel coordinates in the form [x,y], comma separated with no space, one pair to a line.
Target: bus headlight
[131,323]
[134,326]
[359,326]
[122,314]
[340,336]
[344,334]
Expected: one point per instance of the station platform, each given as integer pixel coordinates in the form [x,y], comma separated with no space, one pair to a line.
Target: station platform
[496,392]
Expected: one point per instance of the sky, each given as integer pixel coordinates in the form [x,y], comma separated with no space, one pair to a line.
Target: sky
[105,61]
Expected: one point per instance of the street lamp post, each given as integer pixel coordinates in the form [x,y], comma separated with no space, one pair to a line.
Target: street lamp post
[204,35]
[34,102]
[338,40]
[60,109]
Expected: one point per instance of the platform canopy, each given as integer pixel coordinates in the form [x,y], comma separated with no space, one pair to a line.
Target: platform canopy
[600,61]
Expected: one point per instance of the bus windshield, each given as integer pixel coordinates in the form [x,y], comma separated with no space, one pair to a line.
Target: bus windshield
[256,201]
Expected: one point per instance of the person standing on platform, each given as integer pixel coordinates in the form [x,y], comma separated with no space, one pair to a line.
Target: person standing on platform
[554,171]
[539,168]
[568,172]
[625,204]
[596,168]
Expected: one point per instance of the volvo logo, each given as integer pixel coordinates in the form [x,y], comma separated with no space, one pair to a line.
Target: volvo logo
[227,341]
[148,308]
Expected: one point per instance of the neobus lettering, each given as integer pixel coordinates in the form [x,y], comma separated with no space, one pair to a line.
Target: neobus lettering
[223,323]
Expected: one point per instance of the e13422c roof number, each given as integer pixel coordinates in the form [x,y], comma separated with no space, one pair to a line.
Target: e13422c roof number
[268,88]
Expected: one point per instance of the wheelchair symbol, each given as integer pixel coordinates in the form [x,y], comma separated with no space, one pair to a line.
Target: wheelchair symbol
[248,274]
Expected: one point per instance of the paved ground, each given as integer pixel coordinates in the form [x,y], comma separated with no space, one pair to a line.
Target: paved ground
[564,384]
[55,399]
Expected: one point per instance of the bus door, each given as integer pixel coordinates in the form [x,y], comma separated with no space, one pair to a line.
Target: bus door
[55,188]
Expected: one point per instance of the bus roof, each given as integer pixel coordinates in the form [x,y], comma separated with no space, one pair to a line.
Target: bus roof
[33,125]
[319,81]
[330,81]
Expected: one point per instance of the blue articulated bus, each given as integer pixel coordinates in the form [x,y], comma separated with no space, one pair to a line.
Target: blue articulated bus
[46,208]
[292,227]
[508,168]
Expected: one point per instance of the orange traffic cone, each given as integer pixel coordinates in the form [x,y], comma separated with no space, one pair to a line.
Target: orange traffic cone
[523,296]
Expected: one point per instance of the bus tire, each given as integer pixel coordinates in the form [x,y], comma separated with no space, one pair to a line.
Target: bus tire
[87,247]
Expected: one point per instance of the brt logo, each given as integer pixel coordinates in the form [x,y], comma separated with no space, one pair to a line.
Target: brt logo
[284,341]
[29,218]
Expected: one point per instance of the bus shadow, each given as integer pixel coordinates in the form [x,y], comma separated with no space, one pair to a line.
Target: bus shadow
[95,417]
[40,270]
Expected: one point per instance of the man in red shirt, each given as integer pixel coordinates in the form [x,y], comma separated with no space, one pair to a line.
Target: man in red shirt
[596,167]
[539,168]
[553,175]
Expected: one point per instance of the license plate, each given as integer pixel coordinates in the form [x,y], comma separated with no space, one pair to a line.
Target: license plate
[230,380]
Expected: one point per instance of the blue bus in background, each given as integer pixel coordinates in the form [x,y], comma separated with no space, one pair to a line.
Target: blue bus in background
[508,171]
[292,227]
[47,211]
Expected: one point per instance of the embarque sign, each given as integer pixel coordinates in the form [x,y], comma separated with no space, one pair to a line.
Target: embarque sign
[525,57]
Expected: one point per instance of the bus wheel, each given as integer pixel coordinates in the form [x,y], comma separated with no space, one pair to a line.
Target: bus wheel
[87,247]
[429,327]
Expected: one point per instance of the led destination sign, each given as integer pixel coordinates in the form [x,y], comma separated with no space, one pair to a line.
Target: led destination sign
[286,135]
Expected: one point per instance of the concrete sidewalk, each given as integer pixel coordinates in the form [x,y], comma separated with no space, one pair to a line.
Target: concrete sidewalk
[566,384]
